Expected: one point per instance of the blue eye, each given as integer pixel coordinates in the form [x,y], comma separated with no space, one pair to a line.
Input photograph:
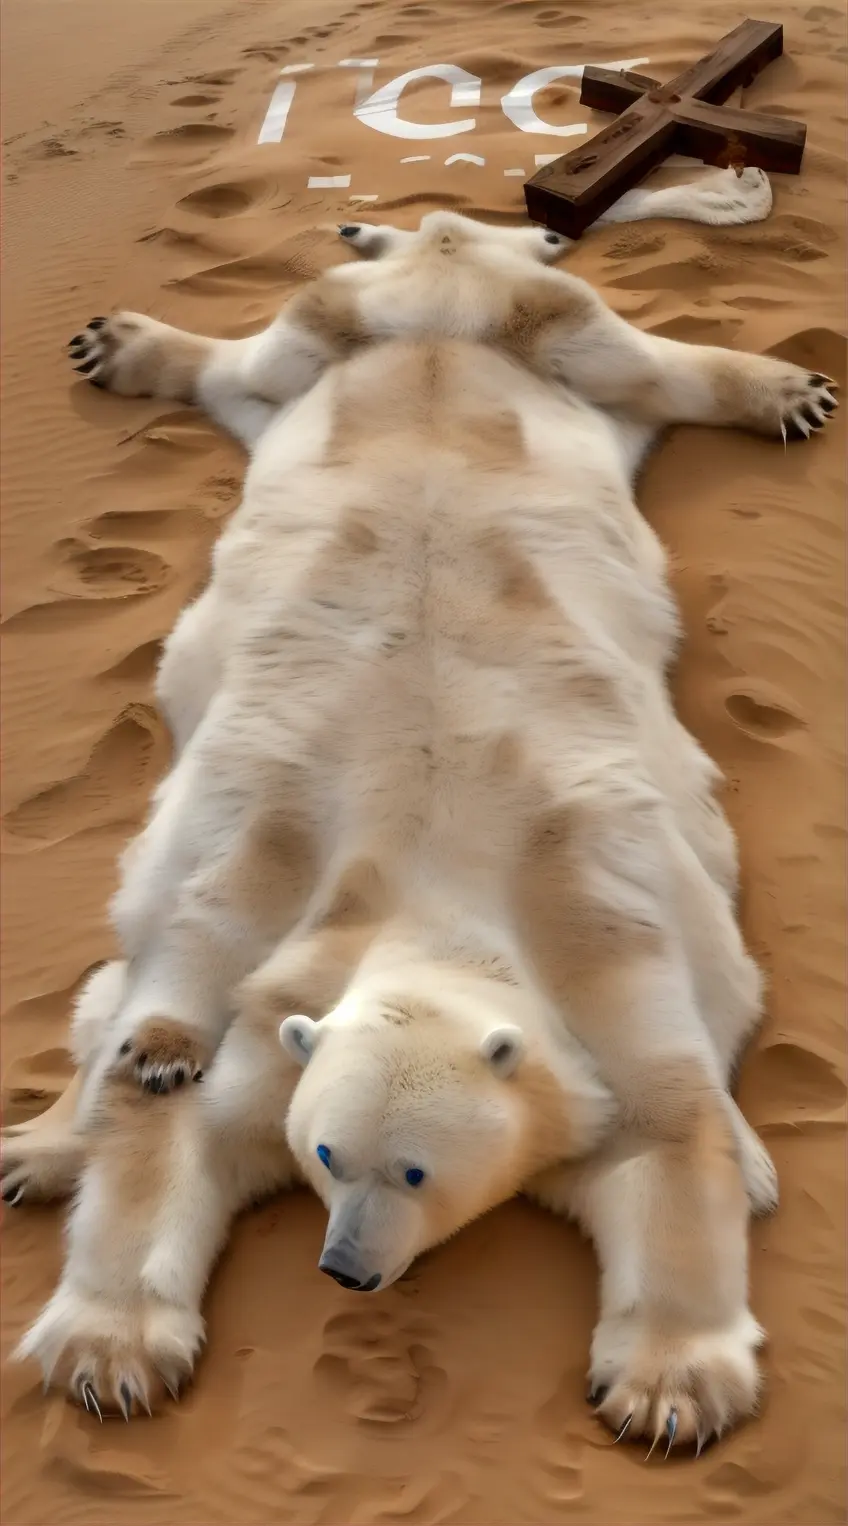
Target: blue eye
[324,1155]
[415,1176]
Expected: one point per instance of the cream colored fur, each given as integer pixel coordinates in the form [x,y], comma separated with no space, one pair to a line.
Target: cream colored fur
[429,794]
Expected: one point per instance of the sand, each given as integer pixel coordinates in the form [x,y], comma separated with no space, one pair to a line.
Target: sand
[134,177]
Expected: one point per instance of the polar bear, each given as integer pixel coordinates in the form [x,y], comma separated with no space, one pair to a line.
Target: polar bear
[433,819]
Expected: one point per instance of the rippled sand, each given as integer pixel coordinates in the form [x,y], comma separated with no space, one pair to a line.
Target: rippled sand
[134,176]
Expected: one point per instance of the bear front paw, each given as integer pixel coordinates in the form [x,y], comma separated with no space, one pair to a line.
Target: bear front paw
[161,1054]
[671,1388]
[118,1359]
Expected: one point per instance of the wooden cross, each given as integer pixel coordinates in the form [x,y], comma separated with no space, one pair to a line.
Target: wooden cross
[683,117]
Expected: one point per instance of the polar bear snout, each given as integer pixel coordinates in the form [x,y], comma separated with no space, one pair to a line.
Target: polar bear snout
[371,1238]
[345,1270]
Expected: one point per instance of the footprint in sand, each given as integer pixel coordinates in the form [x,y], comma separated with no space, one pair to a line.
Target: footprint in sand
[53,147]
[379,1370]
[104,129]
[218,495]
[196,100]
[113,786]
[762,716]
[107,572]
[228,198]
[792,1086]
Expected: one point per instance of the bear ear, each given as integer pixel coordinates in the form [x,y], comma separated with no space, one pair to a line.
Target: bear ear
[503,1049]
[298,1036]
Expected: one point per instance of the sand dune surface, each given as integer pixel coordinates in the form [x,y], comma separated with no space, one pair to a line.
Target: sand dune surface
[161,160]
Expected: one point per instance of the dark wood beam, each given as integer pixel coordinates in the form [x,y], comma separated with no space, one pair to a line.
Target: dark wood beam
[613,89]
[685,116]
[725,135]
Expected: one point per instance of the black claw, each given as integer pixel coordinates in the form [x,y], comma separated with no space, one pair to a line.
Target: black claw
[597,1395]
[827,403]
[84,369]
[76,351]
[794,431]
[812,418]
[125,1047]
[126,1400]
[347,230]
[179,1076]
[77,339]
[13,1195]
[142,1059]
[155,1084]
[198,1075]
[97,323]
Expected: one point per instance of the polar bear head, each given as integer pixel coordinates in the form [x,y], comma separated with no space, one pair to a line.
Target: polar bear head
[415,1115]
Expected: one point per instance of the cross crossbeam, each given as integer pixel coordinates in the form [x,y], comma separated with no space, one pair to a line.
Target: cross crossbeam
[686,116]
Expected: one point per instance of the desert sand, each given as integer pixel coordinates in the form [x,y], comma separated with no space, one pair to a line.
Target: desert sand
[134,176]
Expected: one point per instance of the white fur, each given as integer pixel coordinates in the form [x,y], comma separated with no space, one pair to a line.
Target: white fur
[431,666]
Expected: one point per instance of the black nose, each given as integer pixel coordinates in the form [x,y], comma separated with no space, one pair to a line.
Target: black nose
[351,1283]
[341,1277]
